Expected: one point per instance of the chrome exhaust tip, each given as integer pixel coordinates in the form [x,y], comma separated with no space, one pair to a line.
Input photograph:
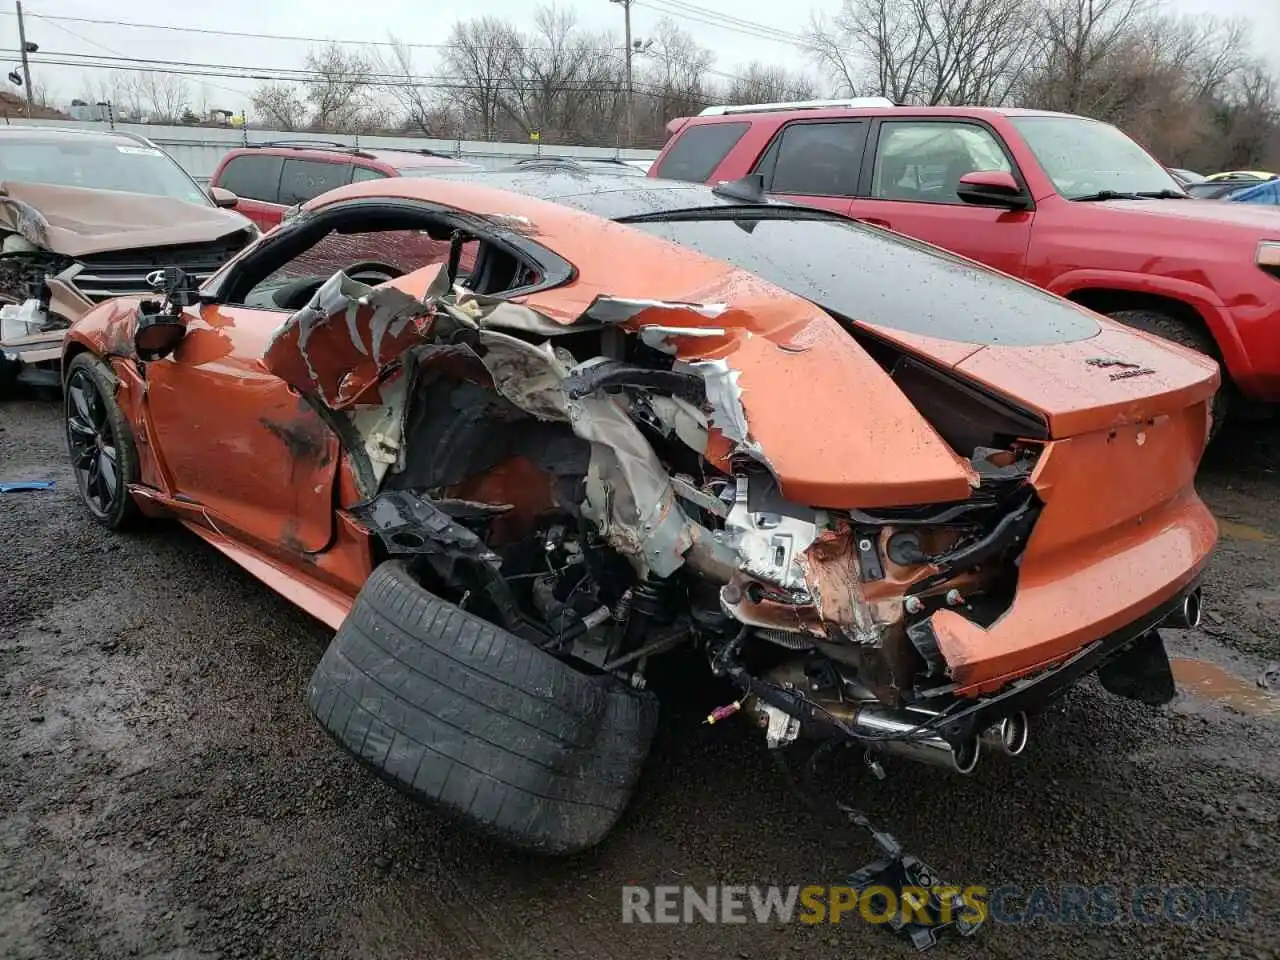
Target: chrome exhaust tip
[1188,613]
[1009,736]
[896,733]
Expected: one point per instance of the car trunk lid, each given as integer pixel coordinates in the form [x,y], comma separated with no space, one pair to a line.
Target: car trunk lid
[1116,377]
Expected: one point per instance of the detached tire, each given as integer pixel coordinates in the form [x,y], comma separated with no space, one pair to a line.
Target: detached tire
[477,722]
[1190,335]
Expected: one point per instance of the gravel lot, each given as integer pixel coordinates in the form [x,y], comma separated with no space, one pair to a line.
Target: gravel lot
[163,792]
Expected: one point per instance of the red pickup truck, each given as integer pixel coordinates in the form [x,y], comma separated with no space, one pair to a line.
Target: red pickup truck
[1070,204]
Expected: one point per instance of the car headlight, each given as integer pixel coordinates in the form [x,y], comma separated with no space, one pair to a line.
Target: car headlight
[1268,257]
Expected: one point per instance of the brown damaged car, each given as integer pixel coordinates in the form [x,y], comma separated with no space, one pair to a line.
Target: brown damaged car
[897,500]
[88,215]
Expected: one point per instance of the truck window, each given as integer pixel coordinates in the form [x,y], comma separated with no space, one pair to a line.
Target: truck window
[698,150]
[360,174]
[253,177]
[924,161]
[305,180]
[815,159]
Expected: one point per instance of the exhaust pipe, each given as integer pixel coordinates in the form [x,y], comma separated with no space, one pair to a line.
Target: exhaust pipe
[1188,612]
[876,722]
[1009,736]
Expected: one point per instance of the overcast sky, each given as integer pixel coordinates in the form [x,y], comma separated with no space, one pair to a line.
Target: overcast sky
[422,22]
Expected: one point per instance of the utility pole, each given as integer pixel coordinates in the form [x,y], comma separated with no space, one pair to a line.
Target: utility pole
[26,66]
[626,10]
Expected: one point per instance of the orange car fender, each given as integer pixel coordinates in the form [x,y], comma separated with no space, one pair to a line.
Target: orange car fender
[107,333]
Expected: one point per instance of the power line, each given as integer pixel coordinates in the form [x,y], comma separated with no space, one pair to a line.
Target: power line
[720,21]
[288,75]
[78,36]
[729,22]
[208,31]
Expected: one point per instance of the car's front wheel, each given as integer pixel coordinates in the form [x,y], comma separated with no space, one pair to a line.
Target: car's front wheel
[100,443]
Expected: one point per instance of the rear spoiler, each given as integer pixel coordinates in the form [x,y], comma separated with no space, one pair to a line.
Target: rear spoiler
[674,126]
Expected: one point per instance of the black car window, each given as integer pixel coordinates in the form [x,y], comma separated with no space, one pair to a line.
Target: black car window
[884,279]
[305,180]
[698,150]
[253,177]
[815,159]
[360,174]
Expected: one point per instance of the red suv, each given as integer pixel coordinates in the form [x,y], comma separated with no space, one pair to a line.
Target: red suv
[269,178]
[1067,203]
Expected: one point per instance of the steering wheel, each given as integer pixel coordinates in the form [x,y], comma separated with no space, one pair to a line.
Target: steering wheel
[298,293]
[372,272]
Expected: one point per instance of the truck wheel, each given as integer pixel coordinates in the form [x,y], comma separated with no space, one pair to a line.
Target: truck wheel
[477,722]
[1189,335]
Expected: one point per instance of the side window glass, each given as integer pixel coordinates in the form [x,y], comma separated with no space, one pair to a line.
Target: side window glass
[253,177]
[360,174]
[925,161]
[819,159]
[698,150]
[305,180]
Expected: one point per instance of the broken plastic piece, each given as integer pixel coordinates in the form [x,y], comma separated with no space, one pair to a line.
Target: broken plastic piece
[19,485]
[908,877]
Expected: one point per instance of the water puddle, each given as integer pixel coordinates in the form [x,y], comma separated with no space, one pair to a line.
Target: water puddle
[1208,681]
[1240,531]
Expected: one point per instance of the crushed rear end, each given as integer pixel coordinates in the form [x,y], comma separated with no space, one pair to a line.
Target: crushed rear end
[903,540]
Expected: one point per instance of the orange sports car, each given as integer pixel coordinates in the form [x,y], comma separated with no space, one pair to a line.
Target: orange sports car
[897,499]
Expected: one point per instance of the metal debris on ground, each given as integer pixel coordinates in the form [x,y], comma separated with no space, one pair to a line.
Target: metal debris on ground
[906,876]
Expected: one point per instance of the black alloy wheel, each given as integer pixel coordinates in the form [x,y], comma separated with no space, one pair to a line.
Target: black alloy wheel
[99,443]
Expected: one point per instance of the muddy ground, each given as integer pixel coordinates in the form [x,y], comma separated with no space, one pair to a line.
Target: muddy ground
[164,793]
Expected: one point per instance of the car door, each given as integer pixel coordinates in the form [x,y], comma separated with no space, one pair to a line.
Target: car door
[815,162]
[235,439]
[255,180]
[909,181]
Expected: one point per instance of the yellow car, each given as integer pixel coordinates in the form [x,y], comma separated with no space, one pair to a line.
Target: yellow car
[1242,175]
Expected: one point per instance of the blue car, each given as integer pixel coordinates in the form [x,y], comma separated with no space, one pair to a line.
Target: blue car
[1266,192]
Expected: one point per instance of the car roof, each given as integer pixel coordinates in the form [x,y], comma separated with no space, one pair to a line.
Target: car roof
[832,113]
[398,159]
[54,134]
[600,192]
[409,159]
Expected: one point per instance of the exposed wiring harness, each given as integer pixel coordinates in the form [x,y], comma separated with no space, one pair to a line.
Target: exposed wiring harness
[725,662]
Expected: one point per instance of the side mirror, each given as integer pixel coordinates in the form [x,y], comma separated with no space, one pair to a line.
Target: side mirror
[992,188]
[156,333]
[222,197]
[160,326]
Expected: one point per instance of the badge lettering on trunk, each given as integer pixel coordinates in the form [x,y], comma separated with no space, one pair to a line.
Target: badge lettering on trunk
[1129,369]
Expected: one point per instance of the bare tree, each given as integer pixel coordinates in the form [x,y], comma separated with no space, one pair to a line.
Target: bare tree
[119,88]
[280,106]
[872,46]
[1082,39]
[480,60]
[674,80]
[763,83]
[558,72]
[425,109]
[929,51]
[340,91]
[164,96]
